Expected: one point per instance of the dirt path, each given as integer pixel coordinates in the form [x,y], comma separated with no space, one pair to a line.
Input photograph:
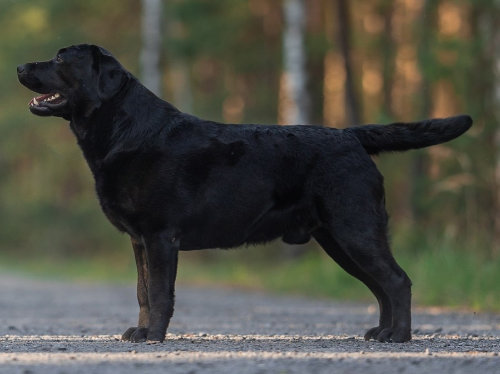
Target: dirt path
[50,327]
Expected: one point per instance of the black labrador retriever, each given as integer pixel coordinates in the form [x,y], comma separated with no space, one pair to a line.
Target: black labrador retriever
[176,182]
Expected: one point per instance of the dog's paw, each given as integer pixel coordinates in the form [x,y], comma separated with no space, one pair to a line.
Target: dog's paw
[394,335]
[127,334]
[139,335]
[154,338]
[401,335]
[373,333]
[135,334]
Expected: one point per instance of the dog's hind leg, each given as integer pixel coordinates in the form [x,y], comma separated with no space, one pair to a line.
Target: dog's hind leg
[335,251]
[351,208]
[139,333]
[366,246]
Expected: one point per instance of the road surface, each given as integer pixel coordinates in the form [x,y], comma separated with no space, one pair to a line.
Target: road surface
[55,327]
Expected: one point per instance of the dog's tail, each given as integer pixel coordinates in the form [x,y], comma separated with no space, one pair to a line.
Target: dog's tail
[404,136]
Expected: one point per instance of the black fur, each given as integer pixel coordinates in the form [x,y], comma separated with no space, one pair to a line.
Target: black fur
[176,182]
[405,136]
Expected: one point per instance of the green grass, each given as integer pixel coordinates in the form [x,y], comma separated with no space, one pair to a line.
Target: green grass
[444,276]
[116,269]
[454,278]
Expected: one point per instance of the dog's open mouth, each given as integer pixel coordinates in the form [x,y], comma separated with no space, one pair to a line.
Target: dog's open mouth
[47,103]
[48,99]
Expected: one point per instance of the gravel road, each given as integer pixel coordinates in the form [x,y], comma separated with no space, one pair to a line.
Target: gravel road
[55,327]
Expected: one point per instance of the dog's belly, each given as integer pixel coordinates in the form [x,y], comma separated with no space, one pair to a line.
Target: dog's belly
[294,227]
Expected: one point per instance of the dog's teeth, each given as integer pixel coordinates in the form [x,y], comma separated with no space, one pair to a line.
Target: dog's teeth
[53,97]
[35,101]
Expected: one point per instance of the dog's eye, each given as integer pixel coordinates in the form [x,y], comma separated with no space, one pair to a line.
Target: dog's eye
[59,59]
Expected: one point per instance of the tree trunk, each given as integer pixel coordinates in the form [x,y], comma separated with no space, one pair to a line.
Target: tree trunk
[151,45]
[295,98]
[353,108]
[495,46]
[418,167]
[485,88]
[388,52]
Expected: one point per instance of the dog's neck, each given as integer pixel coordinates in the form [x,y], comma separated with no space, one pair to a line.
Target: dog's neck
[112,129]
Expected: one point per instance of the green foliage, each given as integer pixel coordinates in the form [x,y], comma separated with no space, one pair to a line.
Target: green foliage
[228,52]
[233,48]
[47,200]
[443,272]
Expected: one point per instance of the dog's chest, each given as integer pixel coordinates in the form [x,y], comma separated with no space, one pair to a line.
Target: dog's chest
[119,200]
[118,208]
[125,187]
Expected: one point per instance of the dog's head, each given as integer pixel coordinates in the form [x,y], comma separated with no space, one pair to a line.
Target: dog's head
[75,82]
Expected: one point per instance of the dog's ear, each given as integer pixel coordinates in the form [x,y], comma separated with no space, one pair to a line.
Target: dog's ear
[111,76]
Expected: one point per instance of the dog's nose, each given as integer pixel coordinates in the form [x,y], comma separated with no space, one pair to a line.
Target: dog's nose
[21,69]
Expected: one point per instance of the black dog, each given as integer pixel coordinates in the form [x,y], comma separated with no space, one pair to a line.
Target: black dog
[175,182]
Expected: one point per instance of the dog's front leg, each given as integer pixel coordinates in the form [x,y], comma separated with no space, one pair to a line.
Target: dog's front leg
[162,251]
[139,333]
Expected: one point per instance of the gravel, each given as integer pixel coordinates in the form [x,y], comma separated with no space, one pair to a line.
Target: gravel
[56,327]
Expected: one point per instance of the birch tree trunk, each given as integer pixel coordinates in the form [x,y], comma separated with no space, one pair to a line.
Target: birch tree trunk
[295,98]
[151,45]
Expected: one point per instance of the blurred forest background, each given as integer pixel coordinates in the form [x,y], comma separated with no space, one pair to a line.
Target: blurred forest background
[324,62]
